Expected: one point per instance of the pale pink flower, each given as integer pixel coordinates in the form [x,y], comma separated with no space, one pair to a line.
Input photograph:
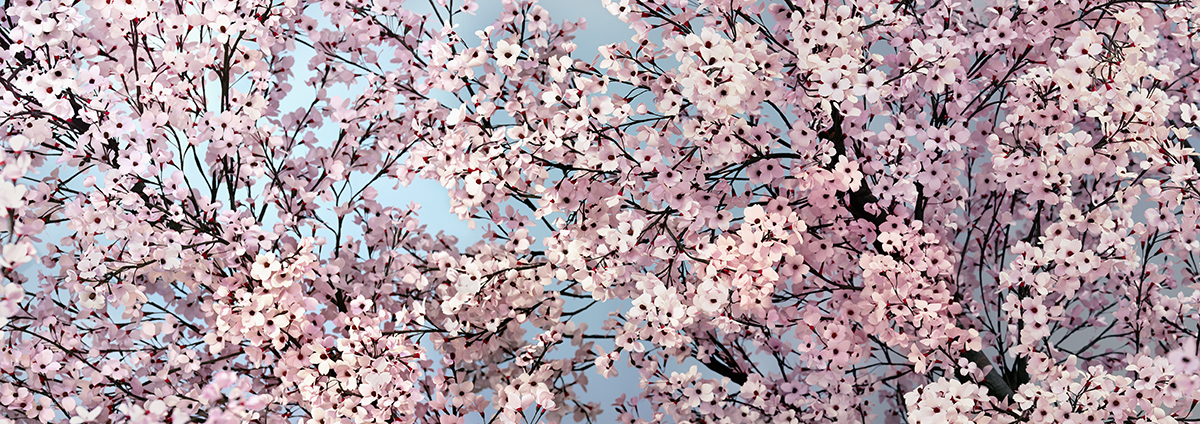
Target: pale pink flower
[506,53]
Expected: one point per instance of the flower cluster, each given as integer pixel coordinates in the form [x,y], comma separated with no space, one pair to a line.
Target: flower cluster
[773,211]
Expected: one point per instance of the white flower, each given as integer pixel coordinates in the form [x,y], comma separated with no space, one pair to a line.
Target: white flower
[833,85]
[506,53]
[1184,359]
[90,299]
[16,254]
[559,67]
[1188,113]
[222,28]
[11,197]
[83,415]
[264,266]
[19,143]
[10,296]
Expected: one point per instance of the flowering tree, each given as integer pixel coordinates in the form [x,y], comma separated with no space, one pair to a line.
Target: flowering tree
[855,211]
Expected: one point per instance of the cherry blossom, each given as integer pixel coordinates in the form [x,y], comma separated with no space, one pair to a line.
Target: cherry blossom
[760,211]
